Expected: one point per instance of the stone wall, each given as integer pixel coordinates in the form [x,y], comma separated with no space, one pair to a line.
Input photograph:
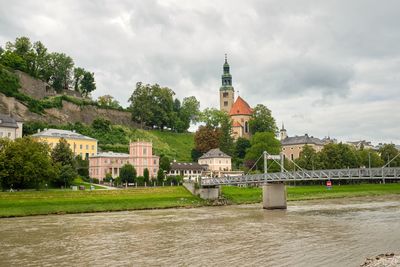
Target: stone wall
[68,113]
[38,89]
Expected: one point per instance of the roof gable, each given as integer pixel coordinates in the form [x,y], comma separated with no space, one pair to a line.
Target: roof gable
[240,107]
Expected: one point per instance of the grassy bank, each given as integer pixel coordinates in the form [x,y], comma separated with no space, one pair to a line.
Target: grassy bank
[242,195]
[59,202]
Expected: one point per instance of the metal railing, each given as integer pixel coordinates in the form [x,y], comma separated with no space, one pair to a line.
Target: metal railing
[305,175]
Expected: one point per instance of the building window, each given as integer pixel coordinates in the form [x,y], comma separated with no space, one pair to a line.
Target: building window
[9,134]
[144,151]
[155,162]
[92,147]
[291,156]
[225,94]
[225,103]
[246,127]
[87,146]
[80,146]
[154,170]
[219,162]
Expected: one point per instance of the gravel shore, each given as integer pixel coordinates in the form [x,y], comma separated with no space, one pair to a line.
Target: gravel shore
[383,260]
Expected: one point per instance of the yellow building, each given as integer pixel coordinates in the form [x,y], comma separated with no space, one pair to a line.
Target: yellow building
[81,145]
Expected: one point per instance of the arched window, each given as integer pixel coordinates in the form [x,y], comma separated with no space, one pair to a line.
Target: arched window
[246,127]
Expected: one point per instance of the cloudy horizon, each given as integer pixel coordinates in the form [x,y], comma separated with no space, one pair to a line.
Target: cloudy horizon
[323,68]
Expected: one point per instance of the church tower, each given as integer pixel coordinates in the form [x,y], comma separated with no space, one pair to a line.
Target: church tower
[226,92]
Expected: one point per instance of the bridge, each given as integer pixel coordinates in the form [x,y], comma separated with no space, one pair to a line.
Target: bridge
[306,175]
[273,184]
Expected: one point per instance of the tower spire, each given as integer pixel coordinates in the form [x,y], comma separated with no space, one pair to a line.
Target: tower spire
[226,91]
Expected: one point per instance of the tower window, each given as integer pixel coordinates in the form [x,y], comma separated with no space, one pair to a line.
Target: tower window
[225,94]
[225,103]
[246,127]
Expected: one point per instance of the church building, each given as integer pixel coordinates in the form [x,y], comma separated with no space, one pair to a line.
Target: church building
[239,110]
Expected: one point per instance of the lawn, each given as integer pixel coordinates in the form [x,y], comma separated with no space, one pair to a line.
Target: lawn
[242,195]
[60,202]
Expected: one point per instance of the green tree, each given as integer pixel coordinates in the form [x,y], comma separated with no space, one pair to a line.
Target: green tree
[42,62]
[188,113]
[212,117]
[367,156]
[88,84]
[141,104]
[260,142]
[262,120]
[388,152]
[108,101]
[338,156]
[241,145]
[26,163]
[101,125]
[82,166]
[61,67]
[78,77]
[13,60]
[146,176]
[63,154]
[165,163]
[127,174]
[160,176]
[308,158]
[225,140]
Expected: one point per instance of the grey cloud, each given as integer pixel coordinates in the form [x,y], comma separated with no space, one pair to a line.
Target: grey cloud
[313,59]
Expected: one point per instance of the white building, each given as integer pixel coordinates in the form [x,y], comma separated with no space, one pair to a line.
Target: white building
[216,160]
[10,128]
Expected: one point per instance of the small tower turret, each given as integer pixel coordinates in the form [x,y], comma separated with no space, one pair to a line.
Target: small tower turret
[226,91]
[283,133]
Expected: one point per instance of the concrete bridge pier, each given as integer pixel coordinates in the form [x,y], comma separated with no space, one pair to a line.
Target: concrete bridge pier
[274,196]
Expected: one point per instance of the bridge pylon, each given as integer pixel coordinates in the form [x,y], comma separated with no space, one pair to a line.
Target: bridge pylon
[274,196]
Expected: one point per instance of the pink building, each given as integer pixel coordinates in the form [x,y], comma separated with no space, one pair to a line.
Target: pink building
[140,156]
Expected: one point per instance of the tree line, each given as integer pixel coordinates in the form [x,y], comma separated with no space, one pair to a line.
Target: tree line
[28,163]
[54,68]
[154,107]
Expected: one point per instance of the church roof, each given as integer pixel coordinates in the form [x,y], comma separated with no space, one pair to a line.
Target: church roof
[236,124]
[240,107]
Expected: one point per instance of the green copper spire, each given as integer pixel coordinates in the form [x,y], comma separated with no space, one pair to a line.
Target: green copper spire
[226,77]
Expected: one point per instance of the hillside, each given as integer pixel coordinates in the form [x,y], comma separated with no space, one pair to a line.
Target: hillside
[34,102]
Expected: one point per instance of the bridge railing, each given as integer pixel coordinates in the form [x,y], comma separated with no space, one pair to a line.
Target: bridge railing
[306,175]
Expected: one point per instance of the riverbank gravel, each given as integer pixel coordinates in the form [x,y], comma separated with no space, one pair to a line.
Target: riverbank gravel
[383,260]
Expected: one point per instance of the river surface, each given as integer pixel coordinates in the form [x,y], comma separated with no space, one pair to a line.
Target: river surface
[340,232]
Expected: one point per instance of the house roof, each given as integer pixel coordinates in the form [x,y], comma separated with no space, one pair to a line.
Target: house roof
[8,122]
[110,154]
[214,153]
[240,107]
[62,133]
[302,140]
[186,166]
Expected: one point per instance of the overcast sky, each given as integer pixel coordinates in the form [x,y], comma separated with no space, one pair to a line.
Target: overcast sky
[322,67]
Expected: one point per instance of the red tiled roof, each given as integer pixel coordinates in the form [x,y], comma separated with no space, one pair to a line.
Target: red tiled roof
[240,107]
[236,124]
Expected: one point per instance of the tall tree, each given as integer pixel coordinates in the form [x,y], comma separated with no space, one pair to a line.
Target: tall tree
[63,156]
[369,156]
[127,174]
[61,74]
[389,152]
[88,84]
[26,163]
[206,138]
[260,142]
[225,140]
[308,158]
[241,145]
[165,163]
[212,117]
[141,102]
[262,120]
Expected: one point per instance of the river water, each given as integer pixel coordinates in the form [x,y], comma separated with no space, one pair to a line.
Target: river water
[338,232]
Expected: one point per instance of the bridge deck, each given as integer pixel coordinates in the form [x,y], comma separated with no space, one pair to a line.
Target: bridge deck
[345,174]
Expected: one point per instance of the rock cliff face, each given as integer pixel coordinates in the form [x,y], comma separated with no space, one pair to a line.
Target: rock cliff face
[68,113]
